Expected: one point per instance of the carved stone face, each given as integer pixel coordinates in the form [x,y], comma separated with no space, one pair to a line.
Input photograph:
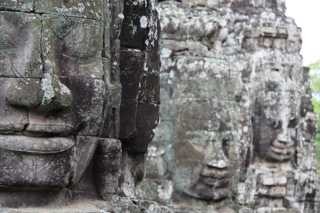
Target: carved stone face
[53,93]
[205,140]
[275,119]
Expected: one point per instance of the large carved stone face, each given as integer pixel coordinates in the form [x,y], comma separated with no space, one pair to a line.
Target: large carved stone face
[275,118]
[205,142]
[53,91]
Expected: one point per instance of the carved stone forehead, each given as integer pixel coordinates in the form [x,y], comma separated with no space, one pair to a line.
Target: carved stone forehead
[267,60]
[276,92]
[209,115]
[25,33]
[92,9]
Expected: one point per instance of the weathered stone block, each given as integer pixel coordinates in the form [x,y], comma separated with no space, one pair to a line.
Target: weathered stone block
[182,23]
[135,27]
[20,46]
[149,91]
[131,70]
[128,113]
[88,104]
[92,9]
[156,190]
[60,124]
[73,46]
[164,133]
[111,127]
[204,78]
[24,5]
[35,162]
[147,118]
[273,180]
[107,167]
[20,88]
[12,119]
[85,148]
[113,24]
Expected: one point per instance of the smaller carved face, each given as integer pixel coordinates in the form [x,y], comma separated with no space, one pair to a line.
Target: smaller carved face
[214,178]
[275,119]
[203,164]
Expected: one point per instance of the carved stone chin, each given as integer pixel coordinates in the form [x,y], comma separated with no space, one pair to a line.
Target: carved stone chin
[280,153]
[206,192]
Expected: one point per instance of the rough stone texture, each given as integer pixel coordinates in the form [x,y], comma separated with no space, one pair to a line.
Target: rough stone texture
[80,98]
[69,71]
[236,123]
[139,76]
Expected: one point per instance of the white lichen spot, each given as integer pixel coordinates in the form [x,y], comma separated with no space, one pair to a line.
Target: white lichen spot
[143,22]
[121,16]
[47,88]
[64,90]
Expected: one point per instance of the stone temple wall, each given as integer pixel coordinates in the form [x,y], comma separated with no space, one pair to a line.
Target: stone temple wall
[236,128]
[80,89]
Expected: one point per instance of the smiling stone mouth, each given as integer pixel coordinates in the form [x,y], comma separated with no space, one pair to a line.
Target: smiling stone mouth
[35,144]
[215,173]
[214,177]
[284,151]
[215,182]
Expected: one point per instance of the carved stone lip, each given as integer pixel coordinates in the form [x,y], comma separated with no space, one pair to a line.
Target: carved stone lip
[37,145]
[279,145]
[285,151]
[205,192]
[214,182]
[52,129]
[280,154]
[214,173]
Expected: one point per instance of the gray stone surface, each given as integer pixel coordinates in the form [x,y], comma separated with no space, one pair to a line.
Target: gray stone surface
[65,79]
[236,123]
[80,92]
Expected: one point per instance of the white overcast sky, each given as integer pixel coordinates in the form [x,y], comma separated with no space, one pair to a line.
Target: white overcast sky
[307,16]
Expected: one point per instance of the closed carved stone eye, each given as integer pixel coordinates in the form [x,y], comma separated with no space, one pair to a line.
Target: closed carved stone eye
[225,148]
[226,145]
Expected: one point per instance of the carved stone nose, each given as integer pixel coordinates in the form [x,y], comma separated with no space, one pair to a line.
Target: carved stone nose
[216,158]
[283,137]
[56,96]
[47,94]
[218,163]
